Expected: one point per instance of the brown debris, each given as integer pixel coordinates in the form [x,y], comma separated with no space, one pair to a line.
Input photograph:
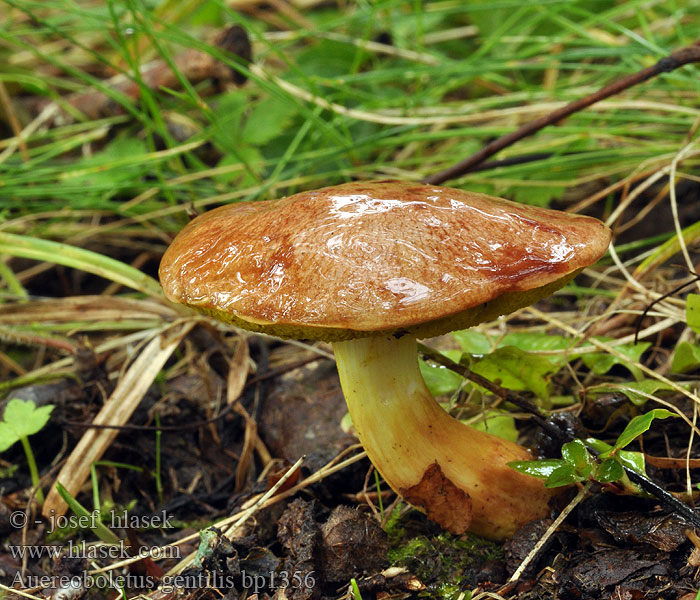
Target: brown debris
[302,413]
[390,582]
[299,533]
[613,571]
[665,532]
[448,505]
[351,543]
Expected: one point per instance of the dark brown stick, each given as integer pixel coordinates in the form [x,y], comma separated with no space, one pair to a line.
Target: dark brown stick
[683,56]
[503,393]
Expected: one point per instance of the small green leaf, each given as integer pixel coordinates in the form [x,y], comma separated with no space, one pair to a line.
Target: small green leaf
[537,468]
[563,475]
[325,59]
[122,162]
[536,193]
[686,357]
[440,380]
[599,446]
[534,341]
[577,455]
[516,369]
[473,342]
[633,460]
[609,470]
[250,161]
[22,418]
[639,425]
[8,437]
[268,119]
[226,121]
[601,362]
[498,424]
[692,312]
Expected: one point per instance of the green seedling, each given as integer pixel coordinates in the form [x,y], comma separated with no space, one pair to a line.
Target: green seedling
[578,463]
[357,595]
[686,356]
[103,532]
[692,312]
[22,418]
[97,504]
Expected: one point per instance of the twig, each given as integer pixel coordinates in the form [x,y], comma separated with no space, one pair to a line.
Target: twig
[503,393]
[668,500]
[683,56]
[550,530]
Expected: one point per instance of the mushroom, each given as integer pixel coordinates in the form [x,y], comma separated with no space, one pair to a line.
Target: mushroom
[370,266]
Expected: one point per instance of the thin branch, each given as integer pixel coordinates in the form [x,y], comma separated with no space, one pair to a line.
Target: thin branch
[504,394]
[683,56]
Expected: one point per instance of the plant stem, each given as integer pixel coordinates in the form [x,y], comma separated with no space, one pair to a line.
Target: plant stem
[159,482]
[33,471]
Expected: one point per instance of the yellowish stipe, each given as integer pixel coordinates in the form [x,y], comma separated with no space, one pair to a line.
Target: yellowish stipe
[406,433]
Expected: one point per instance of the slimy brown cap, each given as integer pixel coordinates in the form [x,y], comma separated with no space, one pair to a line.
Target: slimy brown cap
[375,257]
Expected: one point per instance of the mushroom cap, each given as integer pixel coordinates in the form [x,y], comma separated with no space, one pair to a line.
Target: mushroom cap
[375,257]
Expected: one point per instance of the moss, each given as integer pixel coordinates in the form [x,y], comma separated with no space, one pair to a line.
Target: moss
[447,564]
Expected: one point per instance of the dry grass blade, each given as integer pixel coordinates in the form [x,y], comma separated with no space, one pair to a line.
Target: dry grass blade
[550,530]
[605,347]
[115,412]
[83,308]
[232,530]
[20,593]
[239,367]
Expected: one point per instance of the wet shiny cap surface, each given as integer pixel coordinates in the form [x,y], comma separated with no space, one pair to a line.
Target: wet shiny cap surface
[368,256]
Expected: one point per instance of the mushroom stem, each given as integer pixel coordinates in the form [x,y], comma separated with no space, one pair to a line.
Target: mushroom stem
[455,473]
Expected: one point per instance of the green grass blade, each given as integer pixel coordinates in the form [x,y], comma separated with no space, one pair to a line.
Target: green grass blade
[78,258]
[100,530]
